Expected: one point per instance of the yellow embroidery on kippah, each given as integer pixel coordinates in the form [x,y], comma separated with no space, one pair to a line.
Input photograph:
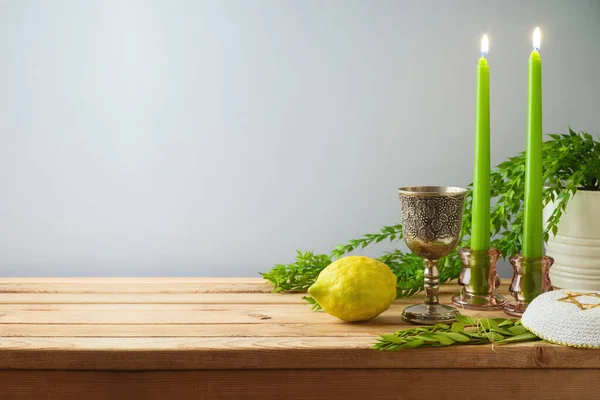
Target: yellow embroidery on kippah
[572,298]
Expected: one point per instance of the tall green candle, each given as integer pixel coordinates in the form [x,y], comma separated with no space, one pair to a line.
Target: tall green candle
[533,228]
[478,283]
[480,223]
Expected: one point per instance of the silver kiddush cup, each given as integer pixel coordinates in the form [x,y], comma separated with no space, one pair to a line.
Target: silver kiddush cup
[431,224]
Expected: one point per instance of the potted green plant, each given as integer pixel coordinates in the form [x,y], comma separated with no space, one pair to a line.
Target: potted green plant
[573,178]
[572,175]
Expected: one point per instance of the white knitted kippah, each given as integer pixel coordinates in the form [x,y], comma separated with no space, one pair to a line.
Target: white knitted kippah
[567,317]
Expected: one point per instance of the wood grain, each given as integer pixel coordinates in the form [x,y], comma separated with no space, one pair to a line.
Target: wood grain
[232,339]
[119,287]
[315,384]
[271,353]
[194,330]
[147,285]
[150,298]
[128,313]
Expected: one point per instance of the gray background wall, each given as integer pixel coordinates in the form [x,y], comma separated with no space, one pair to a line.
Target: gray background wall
[214,138]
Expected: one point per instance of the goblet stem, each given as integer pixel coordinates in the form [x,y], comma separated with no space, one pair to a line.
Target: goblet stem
[430,312]
[432,281]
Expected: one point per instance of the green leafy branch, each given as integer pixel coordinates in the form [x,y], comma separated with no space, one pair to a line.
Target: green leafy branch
[299,275]
[466,331]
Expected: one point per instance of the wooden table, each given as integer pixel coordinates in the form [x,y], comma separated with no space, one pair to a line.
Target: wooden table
[211,338]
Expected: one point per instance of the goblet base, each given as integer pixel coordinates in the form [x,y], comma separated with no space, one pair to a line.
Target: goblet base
[515,308]
[429,314]
[481,303]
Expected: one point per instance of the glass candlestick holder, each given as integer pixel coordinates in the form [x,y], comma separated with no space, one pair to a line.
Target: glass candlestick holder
[531,278]
[478,281]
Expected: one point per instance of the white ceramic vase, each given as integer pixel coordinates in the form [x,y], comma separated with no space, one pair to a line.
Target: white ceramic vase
[576,246]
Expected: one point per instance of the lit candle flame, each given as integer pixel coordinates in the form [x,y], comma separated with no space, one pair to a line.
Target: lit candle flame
[537,39]
[485,46]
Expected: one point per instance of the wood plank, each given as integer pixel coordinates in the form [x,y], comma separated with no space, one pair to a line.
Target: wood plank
[214,297]
[121,287]
[272,353]
[157,314]
[111,314]
[194,330]
[145,286]
[140,287]
[175,298]
[148,298]
[449,384]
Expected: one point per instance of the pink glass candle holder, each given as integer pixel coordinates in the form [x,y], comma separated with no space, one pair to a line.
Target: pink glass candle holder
[479,280]
[531,278]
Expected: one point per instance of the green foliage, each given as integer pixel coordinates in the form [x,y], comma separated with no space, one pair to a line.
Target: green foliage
[466,331]
[575,158]
[571,163]
[297,276]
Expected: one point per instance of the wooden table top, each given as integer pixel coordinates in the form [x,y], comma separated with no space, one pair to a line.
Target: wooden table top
[219,323]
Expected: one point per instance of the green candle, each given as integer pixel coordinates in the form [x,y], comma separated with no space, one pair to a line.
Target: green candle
[480,223]
[533,228]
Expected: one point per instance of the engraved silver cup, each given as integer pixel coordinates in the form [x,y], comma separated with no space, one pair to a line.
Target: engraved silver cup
[431,222]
